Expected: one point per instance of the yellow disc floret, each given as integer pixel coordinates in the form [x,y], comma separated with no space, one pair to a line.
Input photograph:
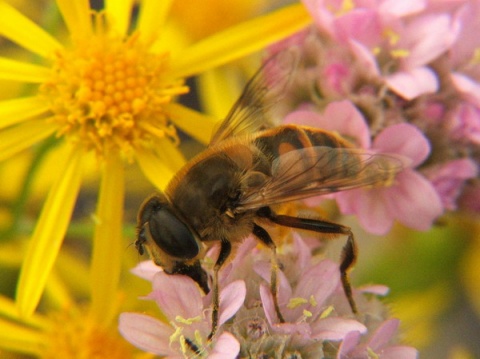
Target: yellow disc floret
[74,335]
[109,92]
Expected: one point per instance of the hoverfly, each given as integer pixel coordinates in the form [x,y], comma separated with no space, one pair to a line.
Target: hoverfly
[227,192]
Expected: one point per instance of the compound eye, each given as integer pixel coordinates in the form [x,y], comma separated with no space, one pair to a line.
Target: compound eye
[172,235]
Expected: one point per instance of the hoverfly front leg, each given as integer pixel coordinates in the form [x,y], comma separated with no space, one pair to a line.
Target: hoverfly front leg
[225,249]
[349,252]
[263,235]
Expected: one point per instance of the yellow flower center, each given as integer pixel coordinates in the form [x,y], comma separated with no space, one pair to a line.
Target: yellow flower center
[109,92]
[74,336]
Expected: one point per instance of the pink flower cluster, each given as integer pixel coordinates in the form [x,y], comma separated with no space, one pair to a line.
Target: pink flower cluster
[398,77]
[319,322]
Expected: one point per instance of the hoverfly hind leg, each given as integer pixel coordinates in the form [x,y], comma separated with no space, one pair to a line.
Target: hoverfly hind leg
[225,249]
[349,257]
[349,252]
[263,236]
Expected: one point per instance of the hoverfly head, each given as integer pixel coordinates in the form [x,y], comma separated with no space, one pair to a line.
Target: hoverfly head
[166,237]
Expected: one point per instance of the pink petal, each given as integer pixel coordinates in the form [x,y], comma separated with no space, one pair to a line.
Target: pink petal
[427,37]
[468,86]
[448,179]
[146,333]
[336,328]
[383,334]
[344,117]
[405,140]
[177,295]
[304,254]
[226,347]
[462,51]
[413,82]
[305,118]
[414,201]
[378,289]
[370,208]
[348,344]
[365,58]
[402,8]
[146,270]
[362,25]
[323,19]
[268,306]
[231,299]
[320,280]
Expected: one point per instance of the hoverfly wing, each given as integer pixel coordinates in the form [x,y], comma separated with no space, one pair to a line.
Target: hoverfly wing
[321,170]
[263,90]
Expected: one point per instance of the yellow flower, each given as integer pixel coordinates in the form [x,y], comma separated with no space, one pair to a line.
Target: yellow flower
[110,92]
[64,329]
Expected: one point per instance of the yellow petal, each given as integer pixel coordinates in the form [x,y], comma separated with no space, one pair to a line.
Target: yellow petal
[77,16]
[19,109]
[23,136]
[21,71]
[219,89]
[21,30]
[57,295]
[169,154]
[119,13]
[9,310]
[240,40]
[49,232]
[152,17]
[107,240]
[154,169]
[16,338]
[196,124]
[74,269]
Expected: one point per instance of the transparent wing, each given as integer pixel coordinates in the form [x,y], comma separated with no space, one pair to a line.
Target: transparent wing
[265,88]
[319,170]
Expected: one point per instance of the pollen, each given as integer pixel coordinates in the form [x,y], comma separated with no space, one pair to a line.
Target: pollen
[73,335]
[109,93]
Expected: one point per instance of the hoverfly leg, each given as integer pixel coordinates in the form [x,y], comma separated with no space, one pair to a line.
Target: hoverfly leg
[349,252]
[263,236]
[349,257]
[225,249]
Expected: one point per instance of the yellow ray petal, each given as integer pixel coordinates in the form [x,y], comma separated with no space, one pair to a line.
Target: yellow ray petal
[16,338]
[77,16]
[107,240]
[119,13]
[155,170]
[21,71]
[169,154]
[219,89]
[9,310]
[57,295]
[50,229]
[22,136]
[152,17]
[240,40]
[74,269]
[21,30]
[19,109]
[196,124]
